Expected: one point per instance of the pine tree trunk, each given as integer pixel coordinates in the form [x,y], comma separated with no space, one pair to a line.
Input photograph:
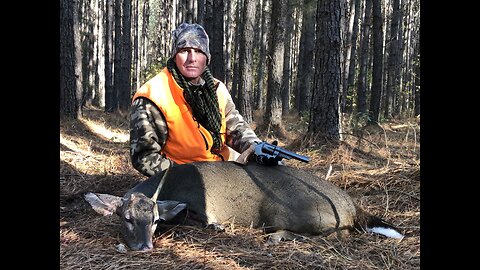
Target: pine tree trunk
[393,81]
[68,82]
[349,83]
[236,56]
[276,50]
[110,98]
[88,52]
[117,56]
[229,45]
[135,60]
[99,99]
[262,44]
[285,91]
[377,72]
[124,89]
[246,61]
[216,42]
[363,61]
[324,115]
[306,59]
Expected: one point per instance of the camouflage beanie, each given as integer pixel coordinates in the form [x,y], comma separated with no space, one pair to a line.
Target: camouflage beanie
[190,36]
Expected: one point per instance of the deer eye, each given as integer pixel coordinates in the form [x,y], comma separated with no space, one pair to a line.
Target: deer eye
[128,223]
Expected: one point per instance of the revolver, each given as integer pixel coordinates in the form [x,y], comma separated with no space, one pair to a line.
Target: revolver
[266,153]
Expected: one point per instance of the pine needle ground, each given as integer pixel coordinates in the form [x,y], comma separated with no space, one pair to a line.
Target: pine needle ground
[379,168]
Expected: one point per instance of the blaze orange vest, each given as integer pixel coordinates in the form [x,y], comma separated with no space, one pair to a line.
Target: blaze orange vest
[187,140]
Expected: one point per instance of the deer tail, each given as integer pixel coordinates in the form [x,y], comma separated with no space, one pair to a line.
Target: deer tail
[373,224]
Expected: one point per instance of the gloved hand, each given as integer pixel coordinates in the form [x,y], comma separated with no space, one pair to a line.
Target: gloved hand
[265,159]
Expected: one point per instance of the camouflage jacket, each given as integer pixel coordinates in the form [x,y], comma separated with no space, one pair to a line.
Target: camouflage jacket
[149,132]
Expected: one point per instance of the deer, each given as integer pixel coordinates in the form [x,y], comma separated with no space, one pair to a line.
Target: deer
[283,201]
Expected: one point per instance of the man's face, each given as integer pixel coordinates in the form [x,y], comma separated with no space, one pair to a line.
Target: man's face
[191,62]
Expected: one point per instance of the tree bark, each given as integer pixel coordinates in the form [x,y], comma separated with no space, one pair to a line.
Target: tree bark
[351,57]
[393,80]
[324,114]
[214,27]
[229,44]
[110,98]
[99,99]
[69,104]
[125,87]
[117,54]
[273,110]
[287,71]
[363,62]
[246,61]
[377,69]
[262,45]
[306,59]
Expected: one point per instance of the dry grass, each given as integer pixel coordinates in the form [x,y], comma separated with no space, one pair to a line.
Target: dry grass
[380,169]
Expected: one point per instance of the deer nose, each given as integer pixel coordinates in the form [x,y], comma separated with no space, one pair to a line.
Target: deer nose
[146,247]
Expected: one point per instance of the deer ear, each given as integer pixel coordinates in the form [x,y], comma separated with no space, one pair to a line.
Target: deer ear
[169,209]
[104,204]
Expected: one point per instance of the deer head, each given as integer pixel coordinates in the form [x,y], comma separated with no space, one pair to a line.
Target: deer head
[139,214]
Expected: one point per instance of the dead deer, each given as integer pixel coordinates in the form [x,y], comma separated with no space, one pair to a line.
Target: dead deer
[282,200]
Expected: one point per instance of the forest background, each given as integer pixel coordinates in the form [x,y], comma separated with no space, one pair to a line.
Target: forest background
[323,60]
[338,81]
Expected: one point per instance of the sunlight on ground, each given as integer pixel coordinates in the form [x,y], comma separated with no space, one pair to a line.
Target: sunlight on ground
[92,154]
[68,143]
[105,133]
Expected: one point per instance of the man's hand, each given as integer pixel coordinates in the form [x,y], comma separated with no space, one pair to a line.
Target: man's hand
[266,159]
[253,153]
[245,155]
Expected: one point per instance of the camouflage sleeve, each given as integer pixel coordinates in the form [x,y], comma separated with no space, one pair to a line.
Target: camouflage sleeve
[239,134]
[148,133]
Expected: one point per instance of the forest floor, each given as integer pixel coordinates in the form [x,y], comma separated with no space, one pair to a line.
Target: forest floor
[379,168]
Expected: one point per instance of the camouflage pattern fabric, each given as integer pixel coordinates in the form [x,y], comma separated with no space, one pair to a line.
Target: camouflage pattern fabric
[239,134]
[149,132]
